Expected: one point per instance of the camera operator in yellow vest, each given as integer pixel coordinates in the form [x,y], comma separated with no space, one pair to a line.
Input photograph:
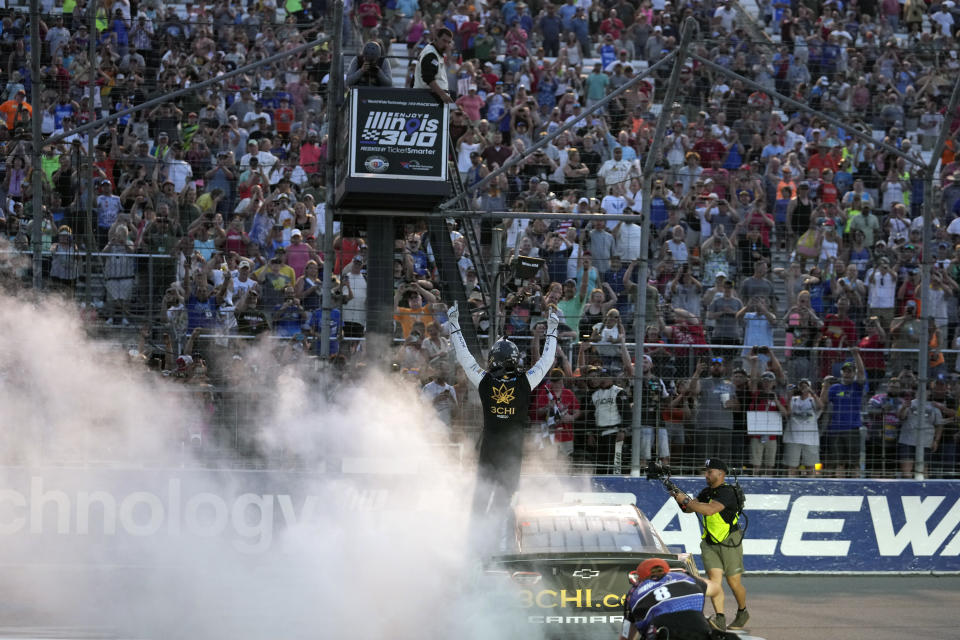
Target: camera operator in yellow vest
[721,546]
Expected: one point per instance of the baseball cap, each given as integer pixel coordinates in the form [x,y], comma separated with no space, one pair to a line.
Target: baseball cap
[714,463]
[296,232]
[846,365]
[768,375]
[645,568]
[245,264]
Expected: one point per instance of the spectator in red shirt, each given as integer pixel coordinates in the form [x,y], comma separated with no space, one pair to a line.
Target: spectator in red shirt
[762,220]
[283,118]
[558,408]
[874,362]
[612,25]
[496,153]
[839,333]
[310,153]
[763,448]
[687,330]
[821,159]
[466,36]
[368,14]
[709,148]
[828,190]
[488,75]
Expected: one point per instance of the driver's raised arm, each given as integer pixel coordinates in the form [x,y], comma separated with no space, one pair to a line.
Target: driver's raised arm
[472,370]
[538,372]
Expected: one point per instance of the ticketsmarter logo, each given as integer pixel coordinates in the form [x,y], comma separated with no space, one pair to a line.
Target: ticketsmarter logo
[503,395]
[400,129]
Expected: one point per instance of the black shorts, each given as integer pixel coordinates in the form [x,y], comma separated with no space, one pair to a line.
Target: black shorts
[842,448]
[685,625]
[352,330]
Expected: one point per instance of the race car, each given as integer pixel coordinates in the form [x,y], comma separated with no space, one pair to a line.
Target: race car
[569,566]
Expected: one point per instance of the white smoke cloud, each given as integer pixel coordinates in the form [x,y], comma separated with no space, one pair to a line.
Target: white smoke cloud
[107,520]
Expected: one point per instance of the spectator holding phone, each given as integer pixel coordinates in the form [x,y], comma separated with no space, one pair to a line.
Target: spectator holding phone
[801,436]
[843,400]
[758,322]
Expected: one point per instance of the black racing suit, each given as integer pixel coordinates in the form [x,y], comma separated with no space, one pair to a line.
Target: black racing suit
[505,402]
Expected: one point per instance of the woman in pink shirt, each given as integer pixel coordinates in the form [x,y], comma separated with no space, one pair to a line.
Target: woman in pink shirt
[299,253]
[471,104]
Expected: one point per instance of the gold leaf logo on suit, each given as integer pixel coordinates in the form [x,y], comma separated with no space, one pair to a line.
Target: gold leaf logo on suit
[503,394]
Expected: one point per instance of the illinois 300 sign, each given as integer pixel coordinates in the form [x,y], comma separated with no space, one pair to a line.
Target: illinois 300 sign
[397,134]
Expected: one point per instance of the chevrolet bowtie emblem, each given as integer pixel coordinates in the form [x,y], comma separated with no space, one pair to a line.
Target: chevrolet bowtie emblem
[585,574]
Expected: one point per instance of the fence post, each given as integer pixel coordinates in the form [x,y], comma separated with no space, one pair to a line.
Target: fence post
[640,312]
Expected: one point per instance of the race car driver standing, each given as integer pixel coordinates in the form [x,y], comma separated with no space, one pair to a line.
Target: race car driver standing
[721,544]
[665,605]
[505,395]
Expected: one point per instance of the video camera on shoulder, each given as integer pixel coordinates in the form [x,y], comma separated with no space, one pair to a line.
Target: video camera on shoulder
[657,471]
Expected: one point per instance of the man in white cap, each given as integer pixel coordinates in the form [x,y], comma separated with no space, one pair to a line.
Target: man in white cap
[242,282]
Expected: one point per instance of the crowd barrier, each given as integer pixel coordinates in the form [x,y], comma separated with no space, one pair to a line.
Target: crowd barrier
[143,517]
[819,525]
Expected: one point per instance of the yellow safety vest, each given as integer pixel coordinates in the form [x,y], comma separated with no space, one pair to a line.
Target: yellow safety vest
[102,22]
[715,528]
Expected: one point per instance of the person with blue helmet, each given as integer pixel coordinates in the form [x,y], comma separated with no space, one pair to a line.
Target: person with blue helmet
[505,394]
[666,605]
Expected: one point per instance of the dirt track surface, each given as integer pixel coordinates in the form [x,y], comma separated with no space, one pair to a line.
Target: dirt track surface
[852,608]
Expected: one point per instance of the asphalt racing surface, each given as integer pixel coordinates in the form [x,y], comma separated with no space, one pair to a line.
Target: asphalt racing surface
[852,607]
[781,608]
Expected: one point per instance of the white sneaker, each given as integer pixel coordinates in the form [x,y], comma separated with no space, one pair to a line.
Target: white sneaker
[125,322]
[110,321]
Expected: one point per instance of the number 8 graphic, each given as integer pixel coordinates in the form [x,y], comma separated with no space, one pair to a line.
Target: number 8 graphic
[661,593]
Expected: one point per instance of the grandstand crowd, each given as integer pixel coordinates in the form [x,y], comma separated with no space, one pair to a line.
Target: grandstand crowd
[785,253]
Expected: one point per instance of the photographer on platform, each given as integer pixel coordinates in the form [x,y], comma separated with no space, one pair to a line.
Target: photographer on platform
[721,546]
[370,68]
